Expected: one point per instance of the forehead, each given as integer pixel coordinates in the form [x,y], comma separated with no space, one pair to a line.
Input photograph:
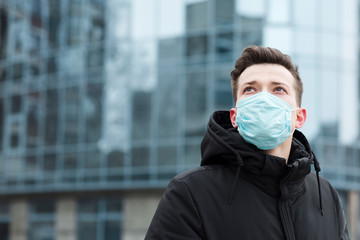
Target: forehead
[266,73]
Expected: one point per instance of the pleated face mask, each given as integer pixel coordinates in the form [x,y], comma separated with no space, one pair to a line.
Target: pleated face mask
[264,120]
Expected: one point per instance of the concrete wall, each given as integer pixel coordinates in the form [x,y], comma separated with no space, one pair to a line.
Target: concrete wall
[19,219]
[65,223]
[139,209]
[353,213]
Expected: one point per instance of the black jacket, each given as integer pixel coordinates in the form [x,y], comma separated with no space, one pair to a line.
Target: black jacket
[239,192]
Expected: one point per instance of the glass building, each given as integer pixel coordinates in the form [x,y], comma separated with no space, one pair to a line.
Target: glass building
[102,102]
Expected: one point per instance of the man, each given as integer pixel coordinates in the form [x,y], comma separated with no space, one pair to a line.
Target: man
[255,180]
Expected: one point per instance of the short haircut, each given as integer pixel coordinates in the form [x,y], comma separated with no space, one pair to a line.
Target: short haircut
[257,55]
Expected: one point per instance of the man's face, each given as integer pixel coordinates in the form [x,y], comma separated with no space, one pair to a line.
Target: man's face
[272,78]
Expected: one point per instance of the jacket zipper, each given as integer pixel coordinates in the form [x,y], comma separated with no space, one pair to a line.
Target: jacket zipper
[284,208]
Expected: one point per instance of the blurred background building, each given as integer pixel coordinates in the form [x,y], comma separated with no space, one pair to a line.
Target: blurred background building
[103,102]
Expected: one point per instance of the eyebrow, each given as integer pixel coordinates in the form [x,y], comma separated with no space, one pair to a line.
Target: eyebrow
[250,82]
[273,83]
[279,83]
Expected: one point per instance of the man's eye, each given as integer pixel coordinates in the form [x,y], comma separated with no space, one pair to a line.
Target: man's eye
[280,89]
[249,89]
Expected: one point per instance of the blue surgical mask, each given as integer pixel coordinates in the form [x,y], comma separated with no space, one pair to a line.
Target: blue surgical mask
[264,120]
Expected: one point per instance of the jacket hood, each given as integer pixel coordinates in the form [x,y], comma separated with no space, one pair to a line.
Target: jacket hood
[222,144]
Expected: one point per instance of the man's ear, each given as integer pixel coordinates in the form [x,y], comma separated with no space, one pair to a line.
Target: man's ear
[300,117]
[233,117]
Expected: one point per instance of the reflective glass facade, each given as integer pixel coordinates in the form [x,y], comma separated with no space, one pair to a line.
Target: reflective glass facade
[99,218]
[116,94]
[41,219]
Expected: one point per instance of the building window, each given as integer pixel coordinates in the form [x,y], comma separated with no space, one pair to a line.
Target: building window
[4,220]
[42,219]
[251,32]
[33,121]
[16,102]
[72,115]
[3,72]
[223,93]
[140,163]
[195,103]
[51,117]
[2,118]
[74,31]
[49,164]
[224,46]
[167,161]
[93,112]
[169,49]
[13,132]
[141,115]
[53,23]
[99,219]
[3,30]
[168,97]
[17,71]
[95,58]
[197,16]
[96,30]
[224,12]
[197,46]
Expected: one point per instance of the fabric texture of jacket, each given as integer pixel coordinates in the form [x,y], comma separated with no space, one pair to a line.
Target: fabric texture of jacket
[239,192]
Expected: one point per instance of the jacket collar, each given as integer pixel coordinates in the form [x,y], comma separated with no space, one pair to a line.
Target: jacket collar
[222,144]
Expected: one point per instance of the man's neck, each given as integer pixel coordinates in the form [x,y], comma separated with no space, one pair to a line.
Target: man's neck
[283,150]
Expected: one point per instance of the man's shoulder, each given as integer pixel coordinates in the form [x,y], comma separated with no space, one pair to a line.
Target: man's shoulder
[325,185]
[311,178]
[198,172]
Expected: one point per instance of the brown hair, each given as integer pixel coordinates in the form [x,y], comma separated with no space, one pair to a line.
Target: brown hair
[257,55]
